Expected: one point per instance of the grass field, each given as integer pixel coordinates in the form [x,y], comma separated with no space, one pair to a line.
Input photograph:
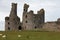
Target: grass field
[30,35]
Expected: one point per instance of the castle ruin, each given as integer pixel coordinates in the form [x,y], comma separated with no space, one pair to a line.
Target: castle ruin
[30,21]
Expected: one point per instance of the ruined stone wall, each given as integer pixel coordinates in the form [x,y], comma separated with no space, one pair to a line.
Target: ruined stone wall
[25,9]
[39,18]
[31,20]
[41,14]
[7,23]
[27,22]
[14,21]
[51,26]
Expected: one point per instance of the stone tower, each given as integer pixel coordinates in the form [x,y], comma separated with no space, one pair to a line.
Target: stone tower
[30,20]
[41,17]
[13,21]
[27,22]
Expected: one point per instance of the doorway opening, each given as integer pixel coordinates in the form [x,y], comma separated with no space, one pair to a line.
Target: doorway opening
[19,28]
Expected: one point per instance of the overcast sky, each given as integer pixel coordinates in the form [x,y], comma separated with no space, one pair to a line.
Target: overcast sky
[51,7]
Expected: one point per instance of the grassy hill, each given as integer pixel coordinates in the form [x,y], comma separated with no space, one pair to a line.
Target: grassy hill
[29,35]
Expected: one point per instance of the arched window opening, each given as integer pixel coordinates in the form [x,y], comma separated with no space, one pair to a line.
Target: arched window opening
[8,28]
[26,16]
[8,23]
[26,21]
[25,10]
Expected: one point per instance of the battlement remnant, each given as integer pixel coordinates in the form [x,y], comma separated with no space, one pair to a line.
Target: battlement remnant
[25,7]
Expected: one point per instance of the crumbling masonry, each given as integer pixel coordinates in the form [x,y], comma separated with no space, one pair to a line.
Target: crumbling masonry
[30,21]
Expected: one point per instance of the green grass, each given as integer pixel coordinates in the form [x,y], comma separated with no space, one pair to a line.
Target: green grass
[30,35]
